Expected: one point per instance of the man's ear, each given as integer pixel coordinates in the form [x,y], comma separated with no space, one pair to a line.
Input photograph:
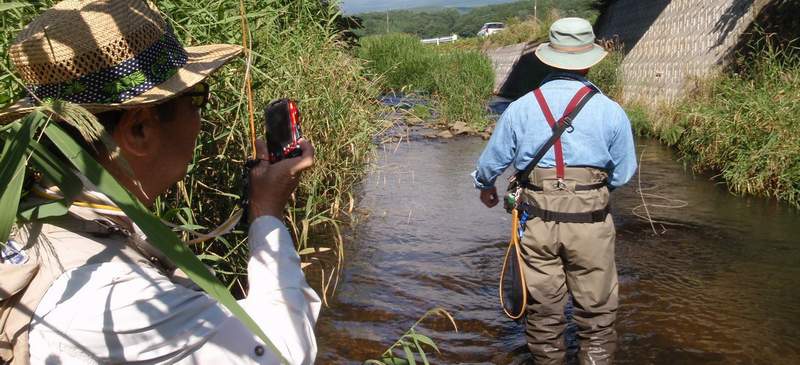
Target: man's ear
[137,133]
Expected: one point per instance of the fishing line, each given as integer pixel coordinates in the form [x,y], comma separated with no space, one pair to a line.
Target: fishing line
[670,203]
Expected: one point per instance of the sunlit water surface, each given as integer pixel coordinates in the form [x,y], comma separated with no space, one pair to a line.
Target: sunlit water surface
[717,285]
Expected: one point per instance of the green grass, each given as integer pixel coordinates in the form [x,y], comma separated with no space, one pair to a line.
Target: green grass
[459,81]
[463,85]
[296,53]
[606,73]
[400,61]
[742,123]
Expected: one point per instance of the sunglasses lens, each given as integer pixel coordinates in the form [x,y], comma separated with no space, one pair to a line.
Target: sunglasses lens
[199,94]
[198,101]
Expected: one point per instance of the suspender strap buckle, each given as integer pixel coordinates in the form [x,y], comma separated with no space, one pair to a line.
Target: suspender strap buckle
[560,184]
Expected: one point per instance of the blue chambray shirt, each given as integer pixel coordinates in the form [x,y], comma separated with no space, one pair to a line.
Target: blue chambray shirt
[602,137]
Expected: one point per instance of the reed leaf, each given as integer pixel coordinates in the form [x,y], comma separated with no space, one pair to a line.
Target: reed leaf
[412,337]
[57,173]
[12,170]
[12,5]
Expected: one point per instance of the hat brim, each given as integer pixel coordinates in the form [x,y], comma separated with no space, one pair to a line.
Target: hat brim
[202,62]
[569,60]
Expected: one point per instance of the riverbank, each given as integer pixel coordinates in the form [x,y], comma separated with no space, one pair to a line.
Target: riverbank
[457,82]
[741,123]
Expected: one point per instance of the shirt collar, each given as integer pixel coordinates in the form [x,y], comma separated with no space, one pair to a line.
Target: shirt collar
[570,76]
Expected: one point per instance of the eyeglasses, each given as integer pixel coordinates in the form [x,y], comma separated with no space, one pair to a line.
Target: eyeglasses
[199,94]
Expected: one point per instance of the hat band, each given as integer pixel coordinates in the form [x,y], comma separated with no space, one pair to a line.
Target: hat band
[118,83]
[568,49]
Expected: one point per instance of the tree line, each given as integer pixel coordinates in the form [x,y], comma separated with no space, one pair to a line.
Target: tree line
[429,23]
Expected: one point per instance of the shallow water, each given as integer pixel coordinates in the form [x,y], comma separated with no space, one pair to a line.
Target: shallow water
[716,285]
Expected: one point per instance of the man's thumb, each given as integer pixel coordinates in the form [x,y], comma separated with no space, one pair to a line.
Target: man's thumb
[261,150]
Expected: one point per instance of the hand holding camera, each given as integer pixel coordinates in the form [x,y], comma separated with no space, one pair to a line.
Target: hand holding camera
[271,184]
[281,160]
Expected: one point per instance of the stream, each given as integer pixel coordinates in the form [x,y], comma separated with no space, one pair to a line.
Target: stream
[717,283]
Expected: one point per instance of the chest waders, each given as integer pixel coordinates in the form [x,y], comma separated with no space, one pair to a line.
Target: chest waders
[513,294]
[564,247]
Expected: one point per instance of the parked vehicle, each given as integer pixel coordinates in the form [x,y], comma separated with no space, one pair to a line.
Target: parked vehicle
[491,28]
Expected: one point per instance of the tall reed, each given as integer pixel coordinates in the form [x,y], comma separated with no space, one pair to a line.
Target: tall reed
[460,81]
[296,53]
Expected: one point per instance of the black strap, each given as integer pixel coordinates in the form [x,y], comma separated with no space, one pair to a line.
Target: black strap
[560,217]
[563,124]
[578,187]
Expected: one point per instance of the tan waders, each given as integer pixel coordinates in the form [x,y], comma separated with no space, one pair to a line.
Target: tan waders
[563,257]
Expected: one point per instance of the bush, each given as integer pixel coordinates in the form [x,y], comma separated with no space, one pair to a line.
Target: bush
[463,84]
[460,81]
[744,124]
[606,73]
[400,61]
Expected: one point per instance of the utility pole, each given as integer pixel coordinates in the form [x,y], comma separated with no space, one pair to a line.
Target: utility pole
[536,10]
[387,21]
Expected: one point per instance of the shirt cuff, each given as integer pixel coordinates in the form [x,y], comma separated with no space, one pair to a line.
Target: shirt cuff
[478,184]
[270,234]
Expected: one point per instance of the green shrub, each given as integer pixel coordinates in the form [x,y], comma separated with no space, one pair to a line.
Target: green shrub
[463,84]
[606,73]
[400,60]
[460,81]
[744,124]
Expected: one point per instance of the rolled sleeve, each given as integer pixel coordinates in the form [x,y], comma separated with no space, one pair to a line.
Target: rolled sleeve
[623,152]
[498,154]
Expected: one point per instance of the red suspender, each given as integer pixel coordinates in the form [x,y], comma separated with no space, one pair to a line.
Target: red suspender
[552,121]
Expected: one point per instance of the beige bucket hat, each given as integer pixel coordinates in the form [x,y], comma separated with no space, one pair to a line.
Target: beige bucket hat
[106,55]
[571,45]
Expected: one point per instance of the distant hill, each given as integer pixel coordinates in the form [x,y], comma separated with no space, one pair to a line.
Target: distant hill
[351,7]
[440,21]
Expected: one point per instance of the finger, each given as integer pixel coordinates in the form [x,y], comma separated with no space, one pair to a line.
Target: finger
[306,160]
[307,147]
[261,150]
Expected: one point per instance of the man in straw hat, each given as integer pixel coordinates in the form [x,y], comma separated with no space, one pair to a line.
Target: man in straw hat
[568,241]
[87,287]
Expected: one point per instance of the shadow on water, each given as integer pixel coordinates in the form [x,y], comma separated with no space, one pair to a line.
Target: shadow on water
[716,285]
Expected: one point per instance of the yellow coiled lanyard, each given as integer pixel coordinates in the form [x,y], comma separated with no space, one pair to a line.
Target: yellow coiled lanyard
[514,249]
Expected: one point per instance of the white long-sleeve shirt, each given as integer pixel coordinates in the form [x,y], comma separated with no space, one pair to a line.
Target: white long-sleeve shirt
[123,313]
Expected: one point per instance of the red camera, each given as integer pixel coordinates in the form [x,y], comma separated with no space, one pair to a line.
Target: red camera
[283,129]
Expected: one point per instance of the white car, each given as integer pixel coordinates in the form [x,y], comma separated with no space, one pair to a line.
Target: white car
[491,28]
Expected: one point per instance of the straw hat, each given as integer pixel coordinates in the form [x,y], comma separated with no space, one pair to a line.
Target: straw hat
[106,55]
[571,45]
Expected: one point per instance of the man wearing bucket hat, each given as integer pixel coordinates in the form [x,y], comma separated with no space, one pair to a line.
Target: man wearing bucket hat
[564,180]
[88,287]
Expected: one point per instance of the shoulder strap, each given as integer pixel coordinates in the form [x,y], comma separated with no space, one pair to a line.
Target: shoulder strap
[573,108]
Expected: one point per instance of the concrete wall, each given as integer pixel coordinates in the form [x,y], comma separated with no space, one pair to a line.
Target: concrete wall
[668,43]
[517,70]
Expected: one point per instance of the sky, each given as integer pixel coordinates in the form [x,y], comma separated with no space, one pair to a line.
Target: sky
[364,6]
